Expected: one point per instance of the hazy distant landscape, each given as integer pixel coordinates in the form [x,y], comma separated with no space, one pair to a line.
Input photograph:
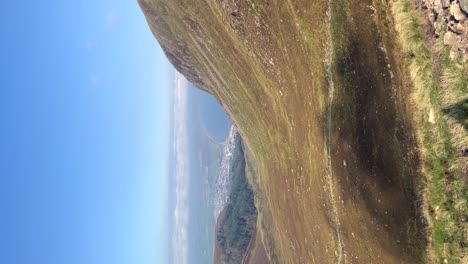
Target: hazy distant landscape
[200,129]
[237,223]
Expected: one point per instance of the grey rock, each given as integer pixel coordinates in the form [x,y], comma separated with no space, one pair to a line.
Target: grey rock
[464,5]
[438,26]
[445,4]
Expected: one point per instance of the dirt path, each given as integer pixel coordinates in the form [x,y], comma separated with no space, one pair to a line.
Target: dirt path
[331,94]
[373,146]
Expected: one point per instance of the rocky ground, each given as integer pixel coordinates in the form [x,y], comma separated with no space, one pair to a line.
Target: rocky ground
[449,19]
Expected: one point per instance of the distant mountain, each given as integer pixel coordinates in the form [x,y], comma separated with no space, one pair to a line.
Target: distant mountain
[236,224]
[221,188]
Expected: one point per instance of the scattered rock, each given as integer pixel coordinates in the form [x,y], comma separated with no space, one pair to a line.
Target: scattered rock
[445,4]
[450,38]
[456,28]
[431,116]
[437,6]
[438,26]
[449,16]
[461,28]
[453,53]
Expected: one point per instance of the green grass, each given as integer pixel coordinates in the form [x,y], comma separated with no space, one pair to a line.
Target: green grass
[445,194]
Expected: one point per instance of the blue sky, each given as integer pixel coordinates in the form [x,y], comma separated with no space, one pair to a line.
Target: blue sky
[84,111]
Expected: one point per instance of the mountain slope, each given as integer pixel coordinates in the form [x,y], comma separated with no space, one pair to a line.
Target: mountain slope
[319,93]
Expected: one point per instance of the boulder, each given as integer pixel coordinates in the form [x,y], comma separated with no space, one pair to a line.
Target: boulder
[450,38]
[464,5]
[456,12]
[461,27]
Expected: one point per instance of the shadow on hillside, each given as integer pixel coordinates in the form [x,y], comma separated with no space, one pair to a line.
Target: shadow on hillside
[372,142]
[458,112]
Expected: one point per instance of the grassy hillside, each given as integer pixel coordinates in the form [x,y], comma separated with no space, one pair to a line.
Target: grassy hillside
[321,95]
[237,223]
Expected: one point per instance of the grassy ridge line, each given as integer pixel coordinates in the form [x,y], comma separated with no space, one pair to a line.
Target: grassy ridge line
[445,194]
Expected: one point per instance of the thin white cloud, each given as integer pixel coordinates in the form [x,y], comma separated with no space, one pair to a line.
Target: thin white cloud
[180,242]
[113,19]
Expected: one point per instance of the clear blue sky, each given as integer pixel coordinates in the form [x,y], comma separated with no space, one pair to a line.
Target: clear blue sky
[84,112]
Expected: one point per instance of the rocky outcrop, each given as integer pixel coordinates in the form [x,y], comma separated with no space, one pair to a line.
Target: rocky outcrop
[449,19]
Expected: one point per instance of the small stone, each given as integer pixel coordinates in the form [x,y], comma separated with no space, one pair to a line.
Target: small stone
[453,54]
[431,116]
[445,4]
[438,28]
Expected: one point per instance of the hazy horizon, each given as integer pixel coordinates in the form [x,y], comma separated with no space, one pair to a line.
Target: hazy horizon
[198,123]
